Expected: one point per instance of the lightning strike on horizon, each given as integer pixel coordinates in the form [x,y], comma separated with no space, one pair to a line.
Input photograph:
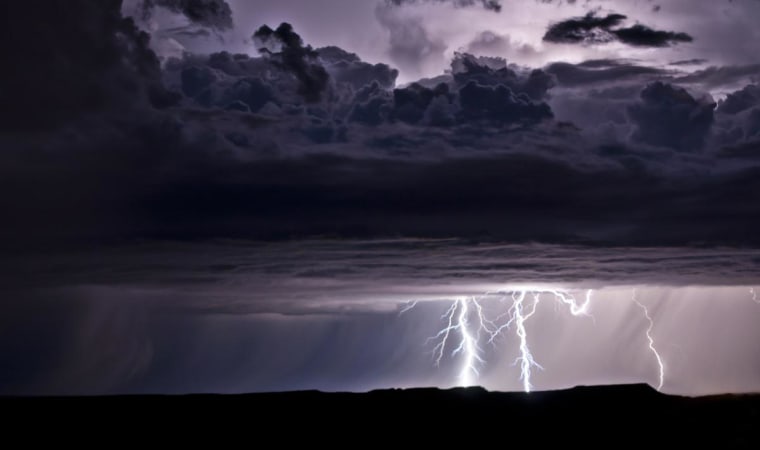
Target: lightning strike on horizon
[519,317]
[652,347]
[457,320]
[467,345]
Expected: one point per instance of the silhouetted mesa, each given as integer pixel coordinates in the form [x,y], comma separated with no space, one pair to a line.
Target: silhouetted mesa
[609,415]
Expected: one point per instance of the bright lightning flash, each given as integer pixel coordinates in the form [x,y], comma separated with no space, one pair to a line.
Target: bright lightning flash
[519,317]
[468,345]
[470,322]
[652,347]
[458,321]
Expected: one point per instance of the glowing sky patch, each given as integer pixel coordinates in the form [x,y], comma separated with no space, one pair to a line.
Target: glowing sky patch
[517,306]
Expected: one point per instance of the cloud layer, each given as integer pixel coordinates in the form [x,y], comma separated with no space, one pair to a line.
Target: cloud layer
[290,140]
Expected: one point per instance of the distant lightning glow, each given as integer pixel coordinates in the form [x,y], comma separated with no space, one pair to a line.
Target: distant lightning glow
[467,318]
[652,348]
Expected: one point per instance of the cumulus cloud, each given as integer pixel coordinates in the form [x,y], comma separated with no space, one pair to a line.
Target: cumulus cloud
[346,67]
[480,90]
[286,49]
[742,100]
[492,71]
[670,116]
[594,29]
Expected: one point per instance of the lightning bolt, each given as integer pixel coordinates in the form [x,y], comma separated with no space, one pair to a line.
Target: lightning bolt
[468,345]
[407,307]
[652,348]
[569,300]
[754,295]
[519,317]
[468,319]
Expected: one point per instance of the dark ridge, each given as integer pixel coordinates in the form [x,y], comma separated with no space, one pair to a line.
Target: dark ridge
[602,415]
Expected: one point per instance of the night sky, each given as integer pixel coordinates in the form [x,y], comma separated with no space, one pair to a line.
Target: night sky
[243,196]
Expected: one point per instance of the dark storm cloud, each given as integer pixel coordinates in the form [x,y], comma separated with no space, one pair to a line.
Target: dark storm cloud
[481,90]
[86,59]
[215,14]
[518,197]
[589,29]
[283,78]
[741,100]
[288,51]
[491,5]
[499,104]
[738,123]
[494,72]
[348,68]
[671,117]
[594,29]
[642,36]
[299,142]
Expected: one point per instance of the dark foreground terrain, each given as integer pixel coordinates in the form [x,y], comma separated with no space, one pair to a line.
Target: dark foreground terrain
[609,416]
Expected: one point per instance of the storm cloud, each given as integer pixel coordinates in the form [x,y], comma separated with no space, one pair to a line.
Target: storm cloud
[102,67]
[300,141]
[594,29]
[287,51]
